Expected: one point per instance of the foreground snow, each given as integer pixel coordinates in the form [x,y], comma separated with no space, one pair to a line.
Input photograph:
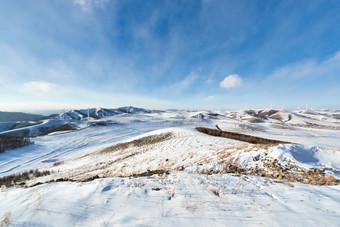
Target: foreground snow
[178,199]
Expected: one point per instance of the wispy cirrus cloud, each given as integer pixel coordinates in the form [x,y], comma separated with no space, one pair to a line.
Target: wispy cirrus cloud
[39,87]
[304,81]
[182,85]
[308,69]
[88,5]
[141,48]
[210,98]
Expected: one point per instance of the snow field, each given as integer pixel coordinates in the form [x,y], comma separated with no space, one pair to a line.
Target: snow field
[178,199]
[182,196]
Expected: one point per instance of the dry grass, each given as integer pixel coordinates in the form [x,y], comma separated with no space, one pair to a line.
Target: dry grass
[266,167]
[239,136]
[274,170]
[19,179]
[148,140]
[150,173]
[6,220]
[58,163]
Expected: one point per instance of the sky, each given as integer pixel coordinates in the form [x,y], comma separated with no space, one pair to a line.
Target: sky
[64,54]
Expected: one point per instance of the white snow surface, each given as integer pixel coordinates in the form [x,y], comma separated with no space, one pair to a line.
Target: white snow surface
[181,198]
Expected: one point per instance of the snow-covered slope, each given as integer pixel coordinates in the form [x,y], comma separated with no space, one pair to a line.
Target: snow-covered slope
[69,120]
[177,199]
[153,168]
[29,129]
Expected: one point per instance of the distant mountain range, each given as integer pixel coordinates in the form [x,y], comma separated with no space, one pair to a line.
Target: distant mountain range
[97,113]
[22,124]
[18,116]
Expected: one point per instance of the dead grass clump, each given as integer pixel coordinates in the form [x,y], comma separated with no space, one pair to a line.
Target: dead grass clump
[272,168]
[6,220]
[151,172]
[12,142]
[239,136]
[224,154]
[19,179]
[293,173]
[58,163]
[215,192]
[317,177]
[329,180]
[148,140]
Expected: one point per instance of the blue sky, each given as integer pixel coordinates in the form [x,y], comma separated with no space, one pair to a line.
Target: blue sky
[168,54]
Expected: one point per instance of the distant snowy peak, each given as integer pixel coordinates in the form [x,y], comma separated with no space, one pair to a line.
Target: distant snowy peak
[97,113]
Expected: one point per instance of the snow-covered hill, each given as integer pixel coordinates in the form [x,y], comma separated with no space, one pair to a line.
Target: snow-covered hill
[70,120]
[140,167]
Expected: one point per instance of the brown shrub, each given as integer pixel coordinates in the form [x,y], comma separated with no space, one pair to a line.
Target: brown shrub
[239,136]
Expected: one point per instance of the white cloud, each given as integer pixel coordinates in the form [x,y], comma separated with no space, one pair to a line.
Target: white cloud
[184,84]
[38,106]
[231,81]
[39,87]
[309,69]
[88,5]
[208,81]
[210,98]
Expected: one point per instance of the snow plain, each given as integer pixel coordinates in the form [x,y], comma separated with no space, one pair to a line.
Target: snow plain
[185,195]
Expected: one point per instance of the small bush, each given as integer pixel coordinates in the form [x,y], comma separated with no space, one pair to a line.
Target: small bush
[58,163]
[239,136]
